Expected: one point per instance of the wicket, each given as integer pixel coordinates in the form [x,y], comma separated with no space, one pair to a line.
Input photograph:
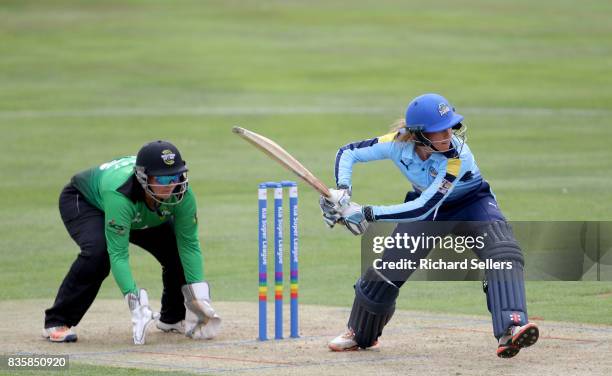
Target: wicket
[278,257]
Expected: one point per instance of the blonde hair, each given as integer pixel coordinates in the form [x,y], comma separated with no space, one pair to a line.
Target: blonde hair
[396,128]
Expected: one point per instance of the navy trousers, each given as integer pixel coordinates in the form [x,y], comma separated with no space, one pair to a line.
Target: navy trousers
[468,216]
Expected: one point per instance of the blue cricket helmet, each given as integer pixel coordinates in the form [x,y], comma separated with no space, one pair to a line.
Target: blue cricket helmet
[431,113]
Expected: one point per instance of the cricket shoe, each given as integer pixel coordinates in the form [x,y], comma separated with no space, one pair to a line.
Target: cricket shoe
[59,334]
[346,342]
[517,338]
[177,327]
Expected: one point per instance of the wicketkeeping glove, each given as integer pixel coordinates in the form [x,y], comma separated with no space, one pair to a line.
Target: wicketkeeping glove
[201,320]
[142,315]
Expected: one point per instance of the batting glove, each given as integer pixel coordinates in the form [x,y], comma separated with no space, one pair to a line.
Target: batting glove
[201,320]
[330,214]
[142,315]
[355,219]
[330,206]
[340,198]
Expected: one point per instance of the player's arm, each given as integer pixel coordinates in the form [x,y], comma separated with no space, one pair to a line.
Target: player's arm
[363,151]
[201,320]
[118,214]
[187,238]
[449,173]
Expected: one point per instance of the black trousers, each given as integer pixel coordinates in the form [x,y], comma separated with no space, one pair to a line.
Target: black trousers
[85,224]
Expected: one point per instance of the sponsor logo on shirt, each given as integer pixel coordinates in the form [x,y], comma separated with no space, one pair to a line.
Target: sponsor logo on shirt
[137,218]
[116,228]
[445,186]
[168,157]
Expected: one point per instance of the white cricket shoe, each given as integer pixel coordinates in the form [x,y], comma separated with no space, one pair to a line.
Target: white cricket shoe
[178,327]
[59,334]
[346,342]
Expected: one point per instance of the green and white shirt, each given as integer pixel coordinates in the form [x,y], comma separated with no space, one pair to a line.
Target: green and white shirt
[112,187]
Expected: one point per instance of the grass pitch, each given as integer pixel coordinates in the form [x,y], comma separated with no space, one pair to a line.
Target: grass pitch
[86,81]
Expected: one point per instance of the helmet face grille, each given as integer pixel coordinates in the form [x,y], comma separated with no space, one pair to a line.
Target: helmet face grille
[457,140]
[177,194]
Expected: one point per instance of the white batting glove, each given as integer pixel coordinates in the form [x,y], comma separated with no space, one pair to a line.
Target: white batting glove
[331,206]
[340,198]
[201,320]
[354,218]
[330,214]
[142,315]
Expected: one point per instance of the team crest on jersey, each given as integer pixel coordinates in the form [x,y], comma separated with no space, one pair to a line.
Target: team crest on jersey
[116,228]
[445,186]
[433,172]
[443,109]
[168,157]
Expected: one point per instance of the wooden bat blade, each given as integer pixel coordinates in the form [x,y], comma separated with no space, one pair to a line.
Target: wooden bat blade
[276,152]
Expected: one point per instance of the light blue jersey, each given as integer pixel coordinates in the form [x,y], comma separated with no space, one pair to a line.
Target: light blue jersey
[438,179]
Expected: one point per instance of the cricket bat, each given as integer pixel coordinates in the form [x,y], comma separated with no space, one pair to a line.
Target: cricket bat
[277,153]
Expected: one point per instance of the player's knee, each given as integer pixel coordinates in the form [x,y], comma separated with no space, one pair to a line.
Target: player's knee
[95,254]
[500,243]
[171,264]
[104,266]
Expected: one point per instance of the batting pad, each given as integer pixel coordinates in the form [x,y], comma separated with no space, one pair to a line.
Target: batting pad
[373,307]
[505,288]
[506,298]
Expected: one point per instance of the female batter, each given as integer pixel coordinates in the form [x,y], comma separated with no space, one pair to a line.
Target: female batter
[429,148]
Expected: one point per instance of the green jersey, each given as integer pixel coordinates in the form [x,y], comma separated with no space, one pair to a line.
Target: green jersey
[113,188]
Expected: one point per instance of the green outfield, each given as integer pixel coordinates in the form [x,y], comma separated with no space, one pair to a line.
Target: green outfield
[90,370]
[82,82]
